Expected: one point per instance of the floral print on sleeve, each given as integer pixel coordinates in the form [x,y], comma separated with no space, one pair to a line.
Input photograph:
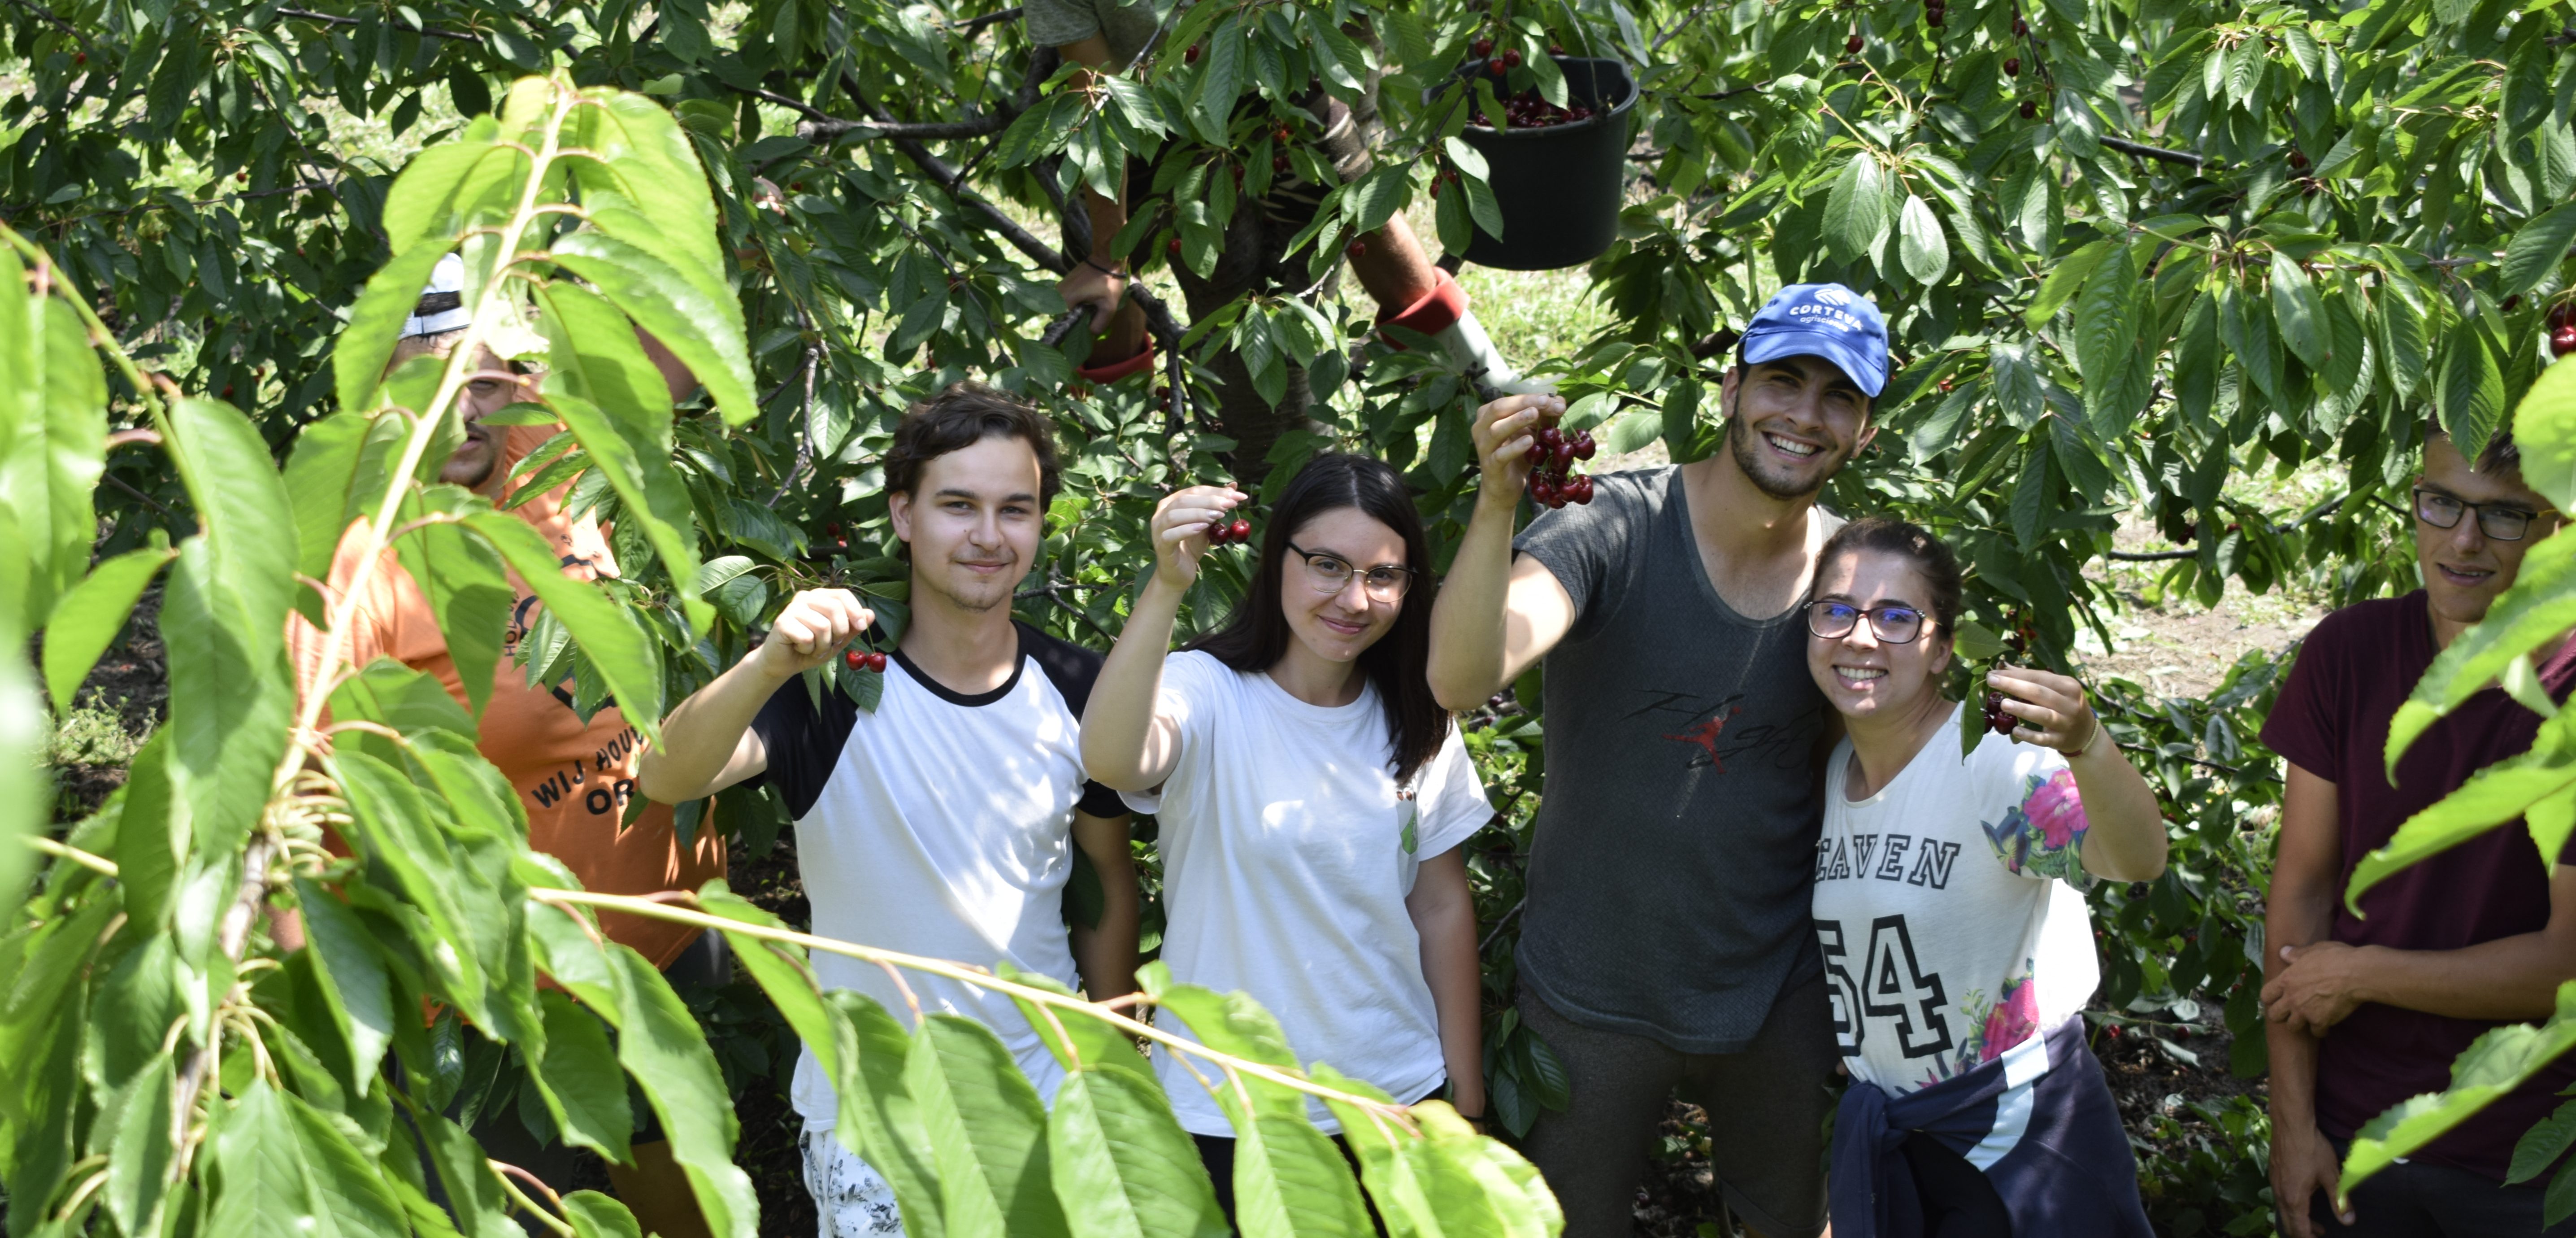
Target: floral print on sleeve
[2043,835]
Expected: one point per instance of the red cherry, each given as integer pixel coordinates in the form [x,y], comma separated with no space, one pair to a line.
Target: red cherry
[2511,303]
[1582,489]
[1278,165]
[855,660]
[1173,247]
[1354,250]
[1933,19]
[1191,56]
[1511,58]
[1852,45]
[1241,531]
[2021,29]
[80,58]
[243,177]
[832,530]
[2562,341]
[1484,47]
[2012,66]
[2028,109]
[2562,314]
[1564,452]
[876,662]
[1496,66]
[1584,447]
[2298,160]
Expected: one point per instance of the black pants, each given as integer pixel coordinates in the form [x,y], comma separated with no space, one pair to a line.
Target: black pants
[1959,1201]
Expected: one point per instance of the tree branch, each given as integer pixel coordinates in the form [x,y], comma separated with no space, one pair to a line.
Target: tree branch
[2144,151]
[977,23]
[824,129]
[399,24]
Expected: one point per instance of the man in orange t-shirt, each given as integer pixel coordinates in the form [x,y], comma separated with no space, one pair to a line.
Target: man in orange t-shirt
[574,778]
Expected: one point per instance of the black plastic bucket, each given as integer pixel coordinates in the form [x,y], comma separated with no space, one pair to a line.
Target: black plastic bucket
[1559,187]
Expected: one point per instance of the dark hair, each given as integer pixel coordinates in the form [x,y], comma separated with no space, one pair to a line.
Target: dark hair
[960,416]
[2502,454]
[1256,635]
[1888,535]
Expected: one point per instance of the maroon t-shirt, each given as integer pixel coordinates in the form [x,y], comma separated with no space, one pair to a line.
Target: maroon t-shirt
[2332,721]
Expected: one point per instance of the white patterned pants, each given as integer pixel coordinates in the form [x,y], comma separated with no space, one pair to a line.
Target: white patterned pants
[850,1199]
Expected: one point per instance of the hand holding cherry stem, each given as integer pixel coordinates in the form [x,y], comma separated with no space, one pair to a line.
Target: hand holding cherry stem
[816,624]
[1518,442]
[2040,707]
[1189,523]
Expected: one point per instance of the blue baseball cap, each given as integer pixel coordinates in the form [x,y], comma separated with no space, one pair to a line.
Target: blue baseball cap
[1821,320]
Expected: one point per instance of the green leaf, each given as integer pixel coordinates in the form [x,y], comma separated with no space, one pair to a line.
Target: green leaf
[2064,278]
[1925,252]
[987,1129]
[135,1129]
[264,1188]
[152,834]
[53,437]
[702,329]
[2494,795]
[1122,1166]
[1290,1181]
[2536,250]
[612,641]
[346,1187]
[878,1117]
[660,1045]
[594,1215]
[631,448]
[2300,313]
[2544,426]
[223,621]
[652,176]
[2470,394]
[2495,1064]
[356,983]
[1858,210]
[375,323]
[580,1084]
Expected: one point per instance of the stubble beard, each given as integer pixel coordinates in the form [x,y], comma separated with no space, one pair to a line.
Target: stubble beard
[1757,469]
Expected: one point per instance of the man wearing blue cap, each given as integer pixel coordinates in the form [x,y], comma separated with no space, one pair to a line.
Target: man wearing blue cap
[1666,942]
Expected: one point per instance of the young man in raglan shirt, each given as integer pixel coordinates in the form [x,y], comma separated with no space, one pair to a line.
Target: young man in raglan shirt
[2366,1011]
[1411,292]
[943,822]
[1667,941]
[574,778]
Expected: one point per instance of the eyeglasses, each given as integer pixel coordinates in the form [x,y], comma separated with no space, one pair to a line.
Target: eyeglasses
[1330,573]
[2504,524]
[1896,625]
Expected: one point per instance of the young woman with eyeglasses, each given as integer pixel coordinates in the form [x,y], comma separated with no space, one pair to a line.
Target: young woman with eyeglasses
[1311,794]
[1948,908]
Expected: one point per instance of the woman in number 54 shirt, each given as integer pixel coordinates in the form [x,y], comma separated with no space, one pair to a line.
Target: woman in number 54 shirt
[1952,926]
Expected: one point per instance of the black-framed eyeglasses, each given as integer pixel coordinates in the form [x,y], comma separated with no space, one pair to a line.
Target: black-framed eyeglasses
[1894,624]
[2443,511]
[1330,572]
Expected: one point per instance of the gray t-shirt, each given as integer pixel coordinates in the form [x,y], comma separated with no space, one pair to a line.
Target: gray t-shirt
[1126,24]
[1671,867]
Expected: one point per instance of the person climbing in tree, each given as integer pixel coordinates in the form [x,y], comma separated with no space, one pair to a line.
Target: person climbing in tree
[1411,292]
[574,777]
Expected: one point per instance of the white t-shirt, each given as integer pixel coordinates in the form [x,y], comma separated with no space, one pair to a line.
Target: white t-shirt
[1950,929]
[1288,850]
[940,825]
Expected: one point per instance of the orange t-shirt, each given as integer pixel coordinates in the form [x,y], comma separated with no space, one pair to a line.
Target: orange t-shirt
[573,778]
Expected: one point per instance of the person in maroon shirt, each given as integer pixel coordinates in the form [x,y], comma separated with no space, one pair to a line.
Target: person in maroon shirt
[2366,1011]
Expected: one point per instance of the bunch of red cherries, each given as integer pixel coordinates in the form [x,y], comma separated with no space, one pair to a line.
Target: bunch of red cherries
[1998,720]
[1551,455]
[1219,533]
[864,660]
[2562,329]
[1527,110]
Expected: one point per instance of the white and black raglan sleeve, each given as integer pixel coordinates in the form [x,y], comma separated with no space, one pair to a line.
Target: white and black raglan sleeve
[804,742]
[1072,669]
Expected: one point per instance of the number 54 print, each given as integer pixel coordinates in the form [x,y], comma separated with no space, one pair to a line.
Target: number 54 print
[1892,985]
